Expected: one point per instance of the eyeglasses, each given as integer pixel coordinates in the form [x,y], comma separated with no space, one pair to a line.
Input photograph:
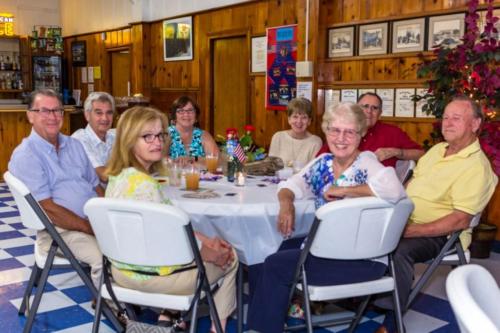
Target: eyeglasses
[336,132]
[370,107]
[150,138]
[184,111]
[46,112]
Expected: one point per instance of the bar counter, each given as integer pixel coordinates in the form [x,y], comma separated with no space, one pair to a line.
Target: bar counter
[14,126]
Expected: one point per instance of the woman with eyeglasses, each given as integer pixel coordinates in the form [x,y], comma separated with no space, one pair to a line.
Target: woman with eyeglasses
[137,155]
[388,142]
[343,173]
[187,140]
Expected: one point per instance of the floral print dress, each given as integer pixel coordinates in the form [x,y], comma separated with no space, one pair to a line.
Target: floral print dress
[177,146]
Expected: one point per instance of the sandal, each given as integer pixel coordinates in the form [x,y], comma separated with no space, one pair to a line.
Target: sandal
[174,321]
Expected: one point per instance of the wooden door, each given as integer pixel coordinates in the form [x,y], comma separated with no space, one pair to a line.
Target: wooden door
[120,73]
[230,84]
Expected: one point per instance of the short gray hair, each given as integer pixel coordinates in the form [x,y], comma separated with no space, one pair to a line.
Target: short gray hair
[475,107]
[43,92]
[99,96]
[346,111]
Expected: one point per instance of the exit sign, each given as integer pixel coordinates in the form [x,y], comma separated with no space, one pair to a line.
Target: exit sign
[6,24]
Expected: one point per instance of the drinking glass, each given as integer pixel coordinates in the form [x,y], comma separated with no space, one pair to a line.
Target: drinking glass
[192,175]
[211,161]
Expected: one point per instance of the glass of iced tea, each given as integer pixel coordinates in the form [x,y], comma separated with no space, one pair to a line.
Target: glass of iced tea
[211,161]
[192,175]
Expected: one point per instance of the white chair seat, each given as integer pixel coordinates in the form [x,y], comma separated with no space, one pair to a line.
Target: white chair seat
[451,258]
[41,258]
[320,293]
[149,299]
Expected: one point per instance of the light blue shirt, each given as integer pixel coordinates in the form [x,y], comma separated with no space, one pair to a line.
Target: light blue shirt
[66,176]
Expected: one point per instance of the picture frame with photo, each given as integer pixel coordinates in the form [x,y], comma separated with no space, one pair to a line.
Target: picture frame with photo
[408,35]
[341,42]
[445,30]
[178,39]
[78,53]
[373,39]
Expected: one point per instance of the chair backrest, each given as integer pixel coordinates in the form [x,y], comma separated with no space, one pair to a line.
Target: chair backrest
[20,192]
[403,169]
[140,233]
[360,228]
[475,298]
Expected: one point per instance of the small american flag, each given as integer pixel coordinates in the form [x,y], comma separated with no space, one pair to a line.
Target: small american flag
[240,154]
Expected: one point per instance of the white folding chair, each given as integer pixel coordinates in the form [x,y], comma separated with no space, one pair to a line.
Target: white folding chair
[404,170]
[353,229]
[475,299]
[34,217]
[452,254]
[147,234]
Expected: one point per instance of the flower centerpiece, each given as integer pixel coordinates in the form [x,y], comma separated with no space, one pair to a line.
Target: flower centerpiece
[252,152]
[470,69]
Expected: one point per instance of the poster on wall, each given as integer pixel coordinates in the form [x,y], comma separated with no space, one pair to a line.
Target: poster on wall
[281,82]
[178,39]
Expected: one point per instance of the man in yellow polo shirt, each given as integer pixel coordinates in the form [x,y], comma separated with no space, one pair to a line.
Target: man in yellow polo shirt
[451,183]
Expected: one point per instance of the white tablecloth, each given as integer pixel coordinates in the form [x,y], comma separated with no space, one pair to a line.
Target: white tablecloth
[247,220]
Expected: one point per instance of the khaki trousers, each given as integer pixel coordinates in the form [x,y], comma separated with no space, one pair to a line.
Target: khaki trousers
[83,246]
[184,283]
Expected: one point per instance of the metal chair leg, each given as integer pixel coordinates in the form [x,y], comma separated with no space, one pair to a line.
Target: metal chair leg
[359,314]
[307,305]
[35,275]
[39,290]
[395,298]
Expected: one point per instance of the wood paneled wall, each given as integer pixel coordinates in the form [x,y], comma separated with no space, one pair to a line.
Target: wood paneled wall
[164,81]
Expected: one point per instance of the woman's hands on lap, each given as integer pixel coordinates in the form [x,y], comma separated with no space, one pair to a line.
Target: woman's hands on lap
[217,251]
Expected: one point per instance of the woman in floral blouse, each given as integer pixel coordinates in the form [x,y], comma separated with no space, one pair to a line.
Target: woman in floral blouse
[136,156]
[344,173]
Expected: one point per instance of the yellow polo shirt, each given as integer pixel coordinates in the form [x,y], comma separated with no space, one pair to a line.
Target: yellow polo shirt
[463,181]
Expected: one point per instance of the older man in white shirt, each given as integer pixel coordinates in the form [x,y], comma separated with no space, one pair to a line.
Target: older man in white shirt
[98,137]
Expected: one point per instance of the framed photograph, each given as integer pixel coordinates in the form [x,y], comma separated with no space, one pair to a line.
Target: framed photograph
[349,95]
[445,30]
[373,39]
[418,105]
[178,39]
[259,54]
[408,35]
[78,53]
[341,42]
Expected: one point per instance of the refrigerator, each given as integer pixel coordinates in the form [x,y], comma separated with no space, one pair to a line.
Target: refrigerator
[47,72]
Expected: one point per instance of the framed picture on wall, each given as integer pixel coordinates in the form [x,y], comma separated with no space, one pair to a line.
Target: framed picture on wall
[178,39]
[408,35]
[341,42]
[482,22]
[259,54]
[78,53]
[373,39]
[445,30]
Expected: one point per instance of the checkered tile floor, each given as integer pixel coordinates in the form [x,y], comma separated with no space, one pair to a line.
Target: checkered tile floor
[65,305]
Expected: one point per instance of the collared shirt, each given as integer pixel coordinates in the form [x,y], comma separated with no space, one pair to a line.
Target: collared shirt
[463,181]
[98,151]
[66,176]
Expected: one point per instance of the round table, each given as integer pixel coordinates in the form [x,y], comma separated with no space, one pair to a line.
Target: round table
[245,216]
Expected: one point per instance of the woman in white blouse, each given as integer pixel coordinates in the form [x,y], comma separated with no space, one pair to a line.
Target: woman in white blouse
[344,173]
[296,146]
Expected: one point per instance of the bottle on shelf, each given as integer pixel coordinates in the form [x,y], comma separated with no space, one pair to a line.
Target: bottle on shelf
[2,65]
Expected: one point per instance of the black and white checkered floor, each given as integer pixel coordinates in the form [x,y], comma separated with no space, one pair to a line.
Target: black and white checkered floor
[65,305]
